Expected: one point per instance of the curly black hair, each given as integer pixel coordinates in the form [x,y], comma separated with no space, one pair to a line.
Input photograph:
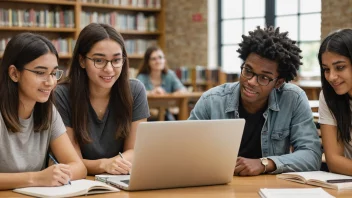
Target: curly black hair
[272,44]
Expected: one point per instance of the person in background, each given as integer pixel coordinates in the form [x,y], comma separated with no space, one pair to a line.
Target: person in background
[156,76]
[158,79]
[100,106]
[30,125]
[335,100]
[277,114]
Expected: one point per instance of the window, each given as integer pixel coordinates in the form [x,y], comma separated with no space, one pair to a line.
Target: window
[237,18]
[301,18]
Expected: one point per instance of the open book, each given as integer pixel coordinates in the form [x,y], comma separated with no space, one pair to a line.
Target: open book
[293,193]
[78,187]
[318,178]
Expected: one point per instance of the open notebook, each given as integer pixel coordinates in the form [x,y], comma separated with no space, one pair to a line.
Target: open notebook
[77,188]
[293,193]
[318,178]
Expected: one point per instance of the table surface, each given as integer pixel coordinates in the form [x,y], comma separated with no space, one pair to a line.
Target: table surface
[247,187]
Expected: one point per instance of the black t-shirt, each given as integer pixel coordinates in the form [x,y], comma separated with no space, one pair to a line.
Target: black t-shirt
[102,132]
[251,138]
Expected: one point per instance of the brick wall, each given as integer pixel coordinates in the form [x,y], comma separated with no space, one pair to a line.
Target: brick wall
[335,14]
[186,34]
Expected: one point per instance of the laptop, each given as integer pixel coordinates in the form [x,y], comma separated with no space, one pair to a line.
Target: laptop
[177,154]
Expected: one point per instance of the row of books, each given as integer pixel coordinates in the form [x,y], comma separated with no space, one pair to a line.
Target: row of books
[37,18]
[64,46]
[138,46]
[139,22]
[202,76]
[135,3]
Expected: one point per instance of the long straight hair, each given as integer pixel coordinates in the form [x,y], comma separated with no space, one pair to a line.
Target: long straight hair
[145,67]
[339,42]
[120,94]
[21,50]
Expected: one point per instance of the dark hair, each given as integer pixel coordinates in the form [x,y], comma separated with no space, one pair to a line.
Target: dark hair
[21,50]
[339,42]
[120,97]
[272,44]
[145,67]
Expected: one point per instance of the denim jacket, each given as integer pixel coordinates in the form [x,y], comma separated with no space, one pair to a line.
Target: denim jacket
[288,121]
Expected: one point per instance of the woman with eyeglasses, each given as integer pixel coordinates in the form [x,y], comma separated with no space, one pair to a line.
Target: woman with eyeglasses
[30,125]
[335,100]
[100,106]
[158,79]
[156,76]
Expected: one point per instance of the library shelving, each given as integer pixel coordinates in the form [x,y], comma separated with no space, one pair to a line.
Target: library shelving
[200,78]
[141,22]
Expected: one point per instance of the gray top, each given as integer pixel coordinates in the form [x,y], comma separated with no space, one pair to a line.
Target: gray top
[170,82]
[103,132]
[26,151]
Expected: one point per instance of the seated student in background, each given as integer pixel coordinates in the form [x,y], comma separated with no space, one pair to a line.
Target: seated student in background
[158,79]
[29,123]
[156,76]
[277,114]
[99,105]
[335,101]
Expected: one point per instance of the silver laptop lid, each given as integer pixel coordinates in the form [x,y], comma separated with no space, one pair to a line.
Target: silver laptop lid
[185,153]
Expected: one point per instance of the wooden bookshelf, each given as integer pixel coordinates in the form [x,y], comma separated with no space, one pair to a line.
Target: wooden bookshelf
[78,7]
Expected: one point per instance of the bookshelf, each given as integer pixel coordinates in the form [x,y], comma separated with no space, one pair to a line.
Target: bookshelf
[200,78]
[141,22]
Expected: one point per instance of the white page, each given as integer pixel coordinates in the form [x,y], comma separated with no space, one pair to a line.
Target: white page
[295,192]
[75,187]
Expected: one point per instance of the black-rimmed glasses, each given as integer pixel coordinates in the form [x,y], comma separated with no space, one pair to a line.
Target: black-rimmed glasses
[261,79]
[100,63]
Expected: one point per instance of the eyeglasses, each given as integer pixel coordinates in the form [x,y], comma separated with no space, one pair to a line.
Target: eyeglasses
[42,76]
[261,79]
[100,63]
[156,58]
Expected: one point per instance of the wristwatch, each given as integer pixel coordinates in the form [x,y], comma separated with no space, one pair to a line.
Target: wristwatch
[265,163]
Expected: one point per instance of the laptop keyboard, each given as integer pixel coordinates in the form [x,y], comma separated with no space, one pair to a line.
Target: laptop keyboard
[126,181]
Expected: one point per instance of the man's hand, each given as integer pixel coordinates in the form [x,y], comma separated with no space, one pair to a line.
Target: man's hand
[248,167]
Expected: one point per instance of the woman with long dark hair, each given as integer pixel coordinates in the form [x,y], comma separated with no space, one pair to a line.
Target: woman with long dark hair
[100,106]
[30,125]
[335,102]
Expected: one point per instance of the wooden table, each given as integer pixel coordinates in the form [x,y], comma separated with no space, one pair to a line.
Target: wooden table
[246,187]
[162,102]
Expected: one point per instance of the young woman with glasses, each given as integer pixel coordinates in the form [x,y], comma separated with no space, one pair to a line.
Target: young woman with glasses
[29,123]
[100,106]
[157,78]
[335,101]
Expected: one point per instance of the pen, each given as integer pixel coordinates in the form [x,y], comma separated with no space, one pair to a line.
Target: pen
[338,180]
[55,162]
[120,154]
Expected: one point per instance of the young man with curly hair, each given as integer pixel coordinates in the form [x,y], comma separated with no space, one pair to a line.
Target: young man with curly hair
[277,113]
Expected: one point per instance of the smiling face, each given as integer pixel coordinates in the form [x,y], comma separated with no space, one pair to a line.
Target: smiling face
[338,72]
[31,87]
[105,77]
[157,61]
[254,95]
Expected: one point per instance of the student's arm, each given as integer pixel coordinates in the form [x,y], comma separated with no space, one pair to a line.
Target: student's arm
[334,151]
[65,154]
[70,168]
[304,139]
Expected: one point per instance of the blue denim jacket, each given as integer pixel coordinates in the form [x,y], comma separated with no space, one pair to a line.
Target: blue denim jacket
[288,121]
